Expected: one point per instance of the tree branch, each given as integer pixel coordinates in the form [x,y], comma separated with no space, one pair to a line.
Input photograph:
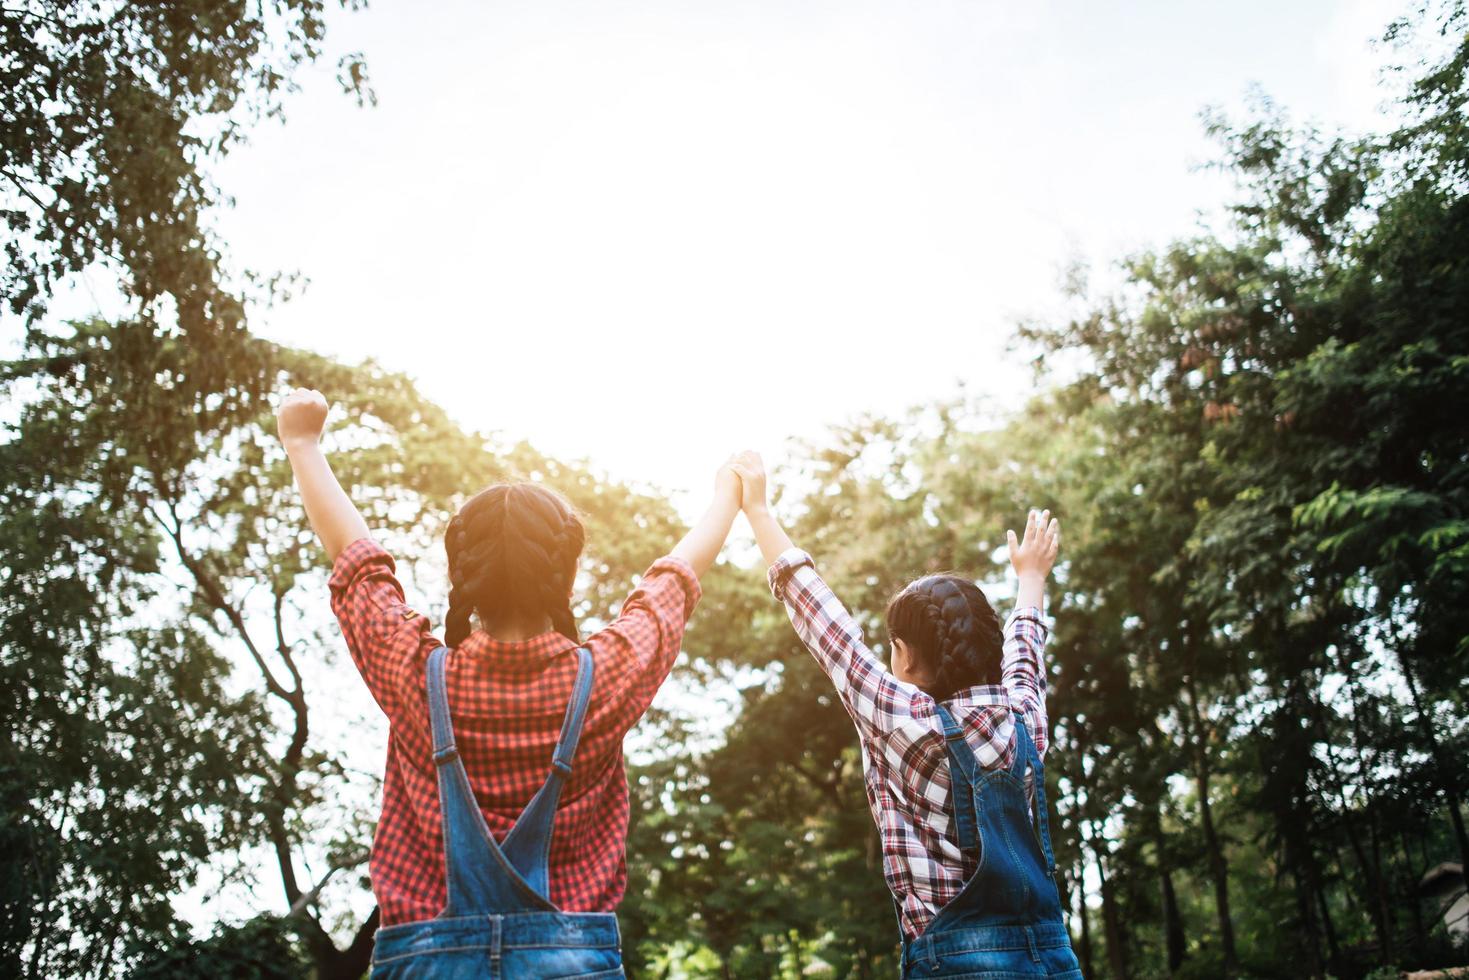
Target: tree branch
[48,210]
[291,761]
[214,596]
[281,645]
[281,841]
[310,897]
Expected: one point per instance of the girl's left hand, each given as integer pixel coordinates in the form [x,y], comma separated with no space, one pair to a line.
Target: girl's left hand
[300,418]
[727,484]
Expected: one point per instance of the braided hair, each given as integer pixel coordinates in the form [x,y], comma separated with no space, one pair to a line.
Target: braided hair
[513,551]
[953,630]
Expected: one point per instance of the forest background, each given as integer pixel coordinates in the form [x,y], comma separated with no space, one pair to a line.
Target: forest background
[1257,675]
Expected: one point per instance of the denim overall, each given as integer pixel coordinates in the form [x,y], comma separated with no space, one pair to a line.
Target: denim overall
[1006,923]
[498,921]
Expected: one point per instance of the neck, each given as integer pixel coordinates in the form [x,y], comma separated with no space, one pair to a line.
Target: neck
[516,630]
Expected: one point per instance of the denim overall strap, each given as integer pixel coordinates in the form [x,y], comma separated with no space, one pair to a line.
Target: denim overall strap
[528,844]
[1026,754]
[964,772]
[481,876]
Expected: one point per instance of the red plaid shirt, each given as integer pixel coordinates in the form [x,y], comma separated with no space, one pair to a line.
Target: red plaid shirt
[507,701]
[905,764]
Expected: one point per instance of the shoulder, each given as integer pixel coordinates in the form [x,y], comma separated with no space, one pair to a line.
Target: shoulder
[363,563]
[985,715]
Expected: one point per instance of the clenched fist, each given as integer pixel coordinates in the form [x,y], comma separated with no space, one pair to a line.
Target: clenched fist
[301,416]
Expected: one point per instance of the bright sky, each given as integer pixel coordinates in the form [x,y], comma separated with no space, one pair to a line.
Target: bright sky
[648,233]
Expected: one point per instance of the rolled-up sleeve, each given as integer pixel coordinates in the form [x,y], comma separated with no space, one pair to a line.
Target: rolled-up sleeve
[384,634]
[780,573]
[637,650]
[1023,671]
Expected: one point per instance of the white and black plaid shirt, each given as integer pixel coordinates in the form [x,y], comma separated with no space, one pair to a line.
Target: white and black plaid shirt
[905,762]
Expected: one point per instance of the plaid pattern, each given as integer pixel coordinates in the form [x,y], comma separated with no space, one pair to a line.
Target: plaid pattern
[507,701]
[903,758]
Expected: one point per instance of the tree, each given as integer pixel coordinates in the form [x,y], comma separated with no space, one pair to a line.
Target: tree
[111,112]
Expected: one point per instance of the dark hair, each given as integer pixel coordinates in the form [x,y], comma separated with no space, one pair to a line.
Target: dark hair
[952,628]
[513,550]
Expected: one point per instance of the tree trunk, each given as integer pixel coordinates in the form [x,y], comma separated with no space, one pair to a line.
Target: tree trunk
[1446,771]
[1111,923]
[1306,869]
[1218,867]
[1172,924]
[345,964]
[1378,909]
[1333,950]
[1086,929]
[1381,902]
[1307,915]
[1380,890]
[1175,941]
[1415,906]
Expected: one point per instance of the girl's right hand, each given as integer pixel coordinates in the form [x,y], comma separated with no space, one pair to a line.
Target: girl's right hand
[751,470]
[301,417]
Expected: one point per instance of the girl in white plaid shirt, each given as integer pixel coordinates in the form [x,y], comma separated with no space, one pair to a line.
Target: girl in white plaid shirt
[952,739]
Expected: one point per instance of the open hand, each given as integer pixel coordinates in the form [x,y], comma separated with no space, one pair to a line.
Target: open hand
[300,418]
[751,470]
[1035,553]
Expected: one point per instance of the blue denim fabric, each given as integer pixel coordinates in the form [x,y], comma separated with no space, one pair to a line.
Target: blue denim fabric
[993,953]
[1006,922]
[533,944]
[497,921]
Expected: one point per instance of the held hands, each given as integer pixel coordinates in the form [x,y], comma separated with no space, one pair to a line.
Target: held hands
[1035,553]
[751,471]
[769,535]
[701,545]
[727,486]
[300,418]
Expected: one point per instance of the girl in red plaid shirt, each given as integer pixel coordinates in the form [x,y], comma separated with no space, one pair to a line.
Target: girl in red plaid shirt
[499,716]
[952,739]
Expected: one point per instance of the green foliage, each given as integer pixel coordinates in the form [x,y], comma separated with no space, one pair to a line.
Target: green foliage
[110,111]
[260,949]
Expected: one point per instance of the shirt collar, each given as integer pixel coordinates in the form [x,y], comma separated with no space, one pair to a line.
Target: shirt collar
[530,655]
[983,694]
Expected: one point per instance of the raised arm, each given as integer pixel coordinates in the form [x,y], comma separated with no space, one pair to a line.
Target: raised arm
[700,546]
[333,516]
[876,700]
[1022,671]
[637,649]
